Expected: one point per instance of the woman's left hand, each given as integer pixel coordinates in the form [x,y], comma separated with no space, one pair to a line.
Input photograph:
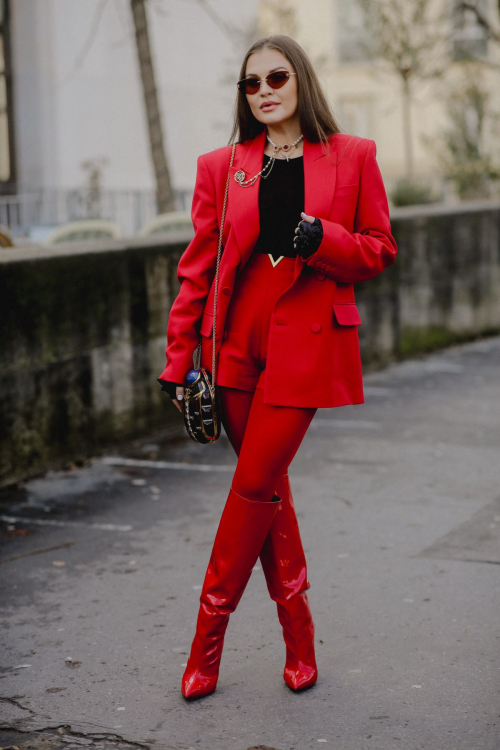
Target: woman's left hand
[308,235]
[305,217]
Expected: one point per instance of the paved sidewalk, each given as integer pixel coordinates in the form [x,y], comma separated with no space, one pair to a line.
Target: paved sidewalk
[399,505]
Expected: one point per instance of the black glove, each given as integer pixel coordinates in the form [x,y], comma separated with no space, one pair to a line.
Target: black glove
[169,387]
[308,238]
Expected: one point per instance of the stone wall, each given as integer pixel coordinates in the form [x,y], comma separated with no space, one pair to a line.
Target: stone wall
[448,274]
[82,328]
[443,288]
[82,341]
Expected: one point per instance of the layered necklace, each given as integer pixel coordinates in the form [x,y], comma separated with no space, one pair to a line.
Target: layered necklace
[286,149]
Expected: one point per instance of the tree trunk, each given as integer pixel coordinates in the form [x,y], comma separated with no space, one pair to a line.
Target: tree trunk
[407,130]
[164,193]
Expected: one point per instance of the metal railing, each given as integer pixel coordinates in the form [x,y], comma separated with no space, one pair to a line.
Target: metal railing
[31,213]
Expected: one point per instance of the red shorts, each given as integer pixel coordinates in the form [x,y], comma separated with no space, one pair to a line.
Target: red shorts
[243,352]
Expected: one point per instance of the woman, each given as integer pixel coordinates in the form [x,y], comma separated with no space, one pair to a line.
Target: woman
[307,216]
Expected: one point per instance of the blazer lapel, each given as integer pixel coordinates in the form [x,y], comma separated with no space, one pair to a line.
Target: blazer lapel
[320,172]
[320,175]
[243,202]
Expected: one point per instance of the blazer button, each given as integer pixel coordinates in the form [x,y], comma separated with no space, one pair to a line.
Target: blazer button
[320,276]
[226,290]
[315,327]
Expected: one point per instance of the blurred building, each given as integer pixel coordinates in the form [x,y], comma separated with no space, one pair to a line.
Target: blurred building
[71,105]
[73,134]
[367,101]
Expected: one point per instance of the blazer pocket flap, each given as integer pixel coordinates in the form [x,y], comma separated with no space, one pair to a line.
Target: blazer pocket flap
[347,314]
[206,324]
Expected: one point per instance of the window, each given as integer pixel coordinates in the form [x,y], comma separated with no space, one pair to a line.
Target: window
[353,37]
[469,37]
[7,176]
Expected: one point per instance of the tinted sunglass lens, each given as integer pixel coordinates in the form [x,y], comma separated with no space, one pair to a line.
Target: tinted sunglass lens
[252,85]
[277,80]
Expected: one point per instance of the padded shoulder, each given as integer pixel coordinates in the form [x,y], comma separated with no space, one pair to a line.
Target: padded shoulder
[217,156]
[350,146]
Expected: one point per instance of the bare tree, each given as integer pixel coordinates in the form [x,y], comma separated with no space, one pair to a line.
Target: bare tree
[490,27]
[468,148]
[411,40]
[164,191]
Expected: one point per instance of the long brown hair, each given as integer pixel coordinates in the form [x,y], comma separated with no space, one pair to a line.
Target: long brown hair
[316,118]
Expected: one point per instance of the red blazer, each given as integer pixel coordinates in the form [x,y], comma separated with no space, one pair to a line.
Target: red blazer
[313,355]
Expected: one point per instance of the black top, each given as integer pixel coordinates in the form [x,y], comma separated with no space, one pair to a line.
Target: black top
[281,199]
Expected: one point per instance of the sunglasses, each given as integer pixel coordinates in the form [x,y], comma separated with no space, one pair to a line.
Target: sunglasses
[274,80]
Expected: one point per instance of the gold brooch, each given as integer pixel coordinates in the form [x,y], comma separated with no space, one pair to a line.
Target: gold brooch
[239,176]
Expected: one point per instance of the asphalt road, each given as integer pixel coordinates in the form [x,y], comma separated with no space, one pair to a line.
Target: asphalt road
[399,505]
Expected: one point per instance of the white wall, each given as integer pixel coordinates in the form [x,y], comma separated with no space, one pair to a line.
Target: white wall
[67,113]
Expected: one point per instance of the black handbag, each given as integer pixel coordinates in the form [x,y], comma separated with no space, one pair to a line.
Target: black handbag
[201,399]
[201,407]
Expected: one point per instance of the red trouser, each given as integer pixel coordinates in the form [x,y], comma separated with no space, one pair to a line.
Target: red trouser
[265,437]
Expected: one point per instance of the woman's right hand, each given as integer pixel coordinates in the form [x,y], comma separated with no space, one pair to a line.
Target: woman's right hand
[175,391]
[179,398]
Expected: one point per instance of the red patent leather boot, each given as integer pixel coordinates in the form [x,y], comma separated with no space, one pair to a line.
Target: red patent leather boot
[284,565]
[242,529]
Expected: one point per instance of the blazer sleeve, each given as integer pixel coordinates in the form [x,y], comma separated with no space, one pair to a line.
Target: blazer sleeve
[361,255]
[196,271]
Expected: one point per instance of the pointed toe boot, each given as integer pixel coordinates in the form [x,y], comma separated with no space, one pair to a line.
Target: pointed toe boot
[284,565]
[242,529]
[298,630]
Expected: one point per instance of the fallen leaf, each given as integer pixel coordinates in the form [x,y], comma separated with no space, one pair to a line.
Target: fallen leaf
[19,532]
[72,663]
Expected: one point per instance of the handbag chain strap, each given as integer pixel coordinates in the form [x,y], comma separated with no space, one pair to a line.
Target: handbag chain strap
[216,287]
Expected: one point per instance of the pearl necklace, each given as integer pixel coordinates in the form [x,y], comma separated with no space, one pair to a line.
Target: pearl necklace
[285,147]
[266,171]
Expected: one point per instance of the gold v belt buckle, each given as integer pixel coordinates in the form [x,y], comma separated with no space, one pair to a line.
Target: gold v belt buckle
[275,262]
